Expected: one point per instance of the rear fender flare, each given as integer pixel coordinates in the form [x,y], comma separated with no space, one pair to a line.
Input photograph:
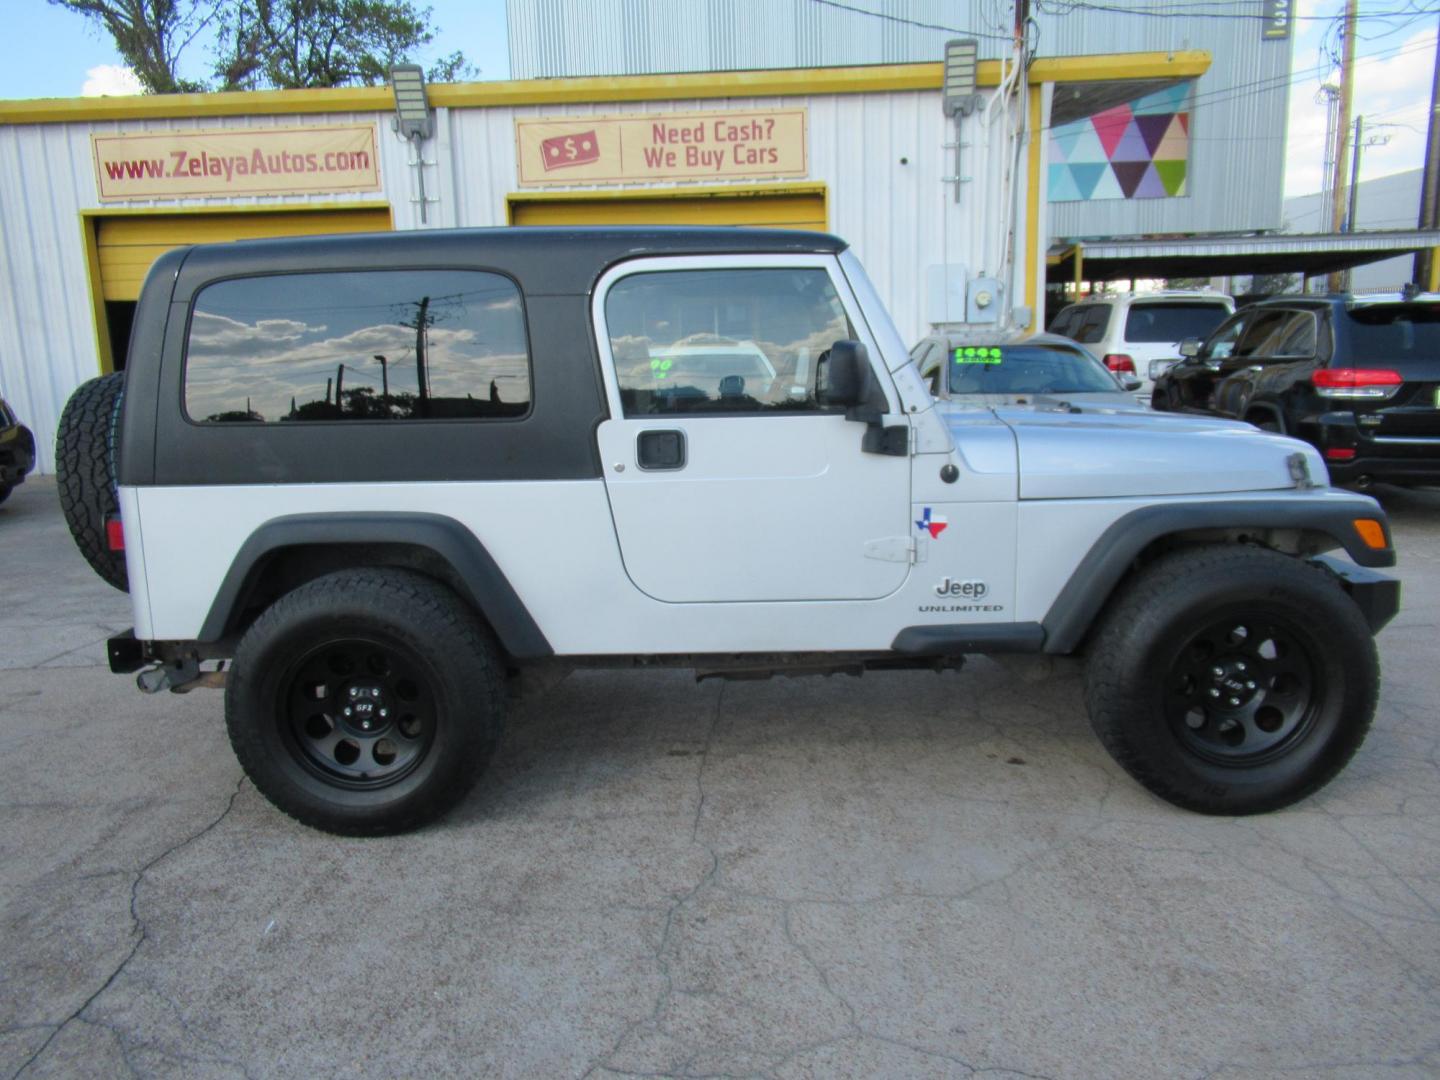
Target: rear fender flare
[483,582]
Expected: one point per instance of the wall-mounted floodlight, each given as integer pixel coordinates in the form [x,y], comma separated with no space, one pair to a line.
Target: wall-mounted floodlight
[962,59]
[412,111]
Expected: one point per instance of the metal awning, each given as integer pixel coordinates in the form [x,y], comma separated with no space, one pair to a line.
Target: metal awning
[1276,253]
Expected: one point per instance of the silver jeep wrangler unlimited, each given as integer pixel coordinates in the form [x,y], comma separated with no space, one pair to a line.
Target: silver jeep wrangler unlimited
[378,477]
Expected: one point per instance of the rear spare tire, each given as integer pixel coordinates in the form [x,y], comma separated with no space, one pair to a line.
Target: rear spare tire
[85,470]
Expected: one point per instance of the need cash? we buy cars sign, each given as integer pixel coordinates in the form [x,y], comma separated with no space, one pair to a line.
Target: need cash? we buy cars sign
[638,147]
[236,161]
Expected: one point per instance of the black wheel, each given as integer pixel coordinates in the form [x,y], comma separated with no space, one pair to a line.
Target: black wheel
[365,702]
[5,490]
[1268,423]
[86,447]
[1232,680]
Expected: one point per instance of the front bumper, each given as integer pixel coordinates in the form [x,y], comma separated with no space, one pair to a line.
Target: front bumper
[1376,595]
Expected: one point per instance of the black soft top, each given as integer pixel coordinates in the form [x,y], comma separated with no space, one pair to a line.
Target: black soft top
[560,260]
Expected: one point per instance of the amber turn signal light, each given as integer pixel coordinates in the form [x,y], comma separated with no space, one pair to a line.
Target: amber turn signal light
[1371,531]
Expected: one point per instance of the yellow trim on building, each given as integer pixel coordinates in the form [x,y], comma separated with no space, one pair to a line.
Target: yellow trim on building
[801,205]
[104,350]
[783,82]
[1035,154]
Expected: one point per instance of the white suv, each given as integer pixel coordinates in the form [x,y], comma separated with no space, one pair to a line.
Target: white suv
[1131,331]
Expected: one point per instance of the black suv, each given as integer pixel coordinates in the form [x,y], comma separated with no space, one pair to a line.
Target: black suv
[1358,380]
[17,451]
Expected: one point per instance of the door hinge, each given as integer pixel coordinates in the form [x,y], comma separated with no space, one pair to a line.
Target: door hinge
[895,549]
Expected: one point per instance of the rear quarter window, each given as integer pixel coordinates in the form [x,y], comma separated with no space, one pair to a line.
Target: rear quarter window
[1173,322]
[380,345]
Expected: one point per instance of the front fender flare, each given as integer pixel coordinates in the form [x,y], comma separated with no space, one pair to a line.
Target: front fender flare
[1111,556]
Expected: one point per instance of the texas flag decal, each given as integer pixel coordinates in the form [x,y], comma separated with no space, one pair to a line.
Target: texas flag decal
[933,524]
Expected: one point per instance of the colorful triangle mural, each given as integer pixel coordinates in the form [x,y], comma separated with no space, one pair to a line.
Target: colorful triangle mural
[1110,125]
[1139,150]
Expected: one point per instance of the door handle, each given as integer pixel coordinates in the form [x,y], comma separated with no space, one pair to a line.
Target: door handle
[656,451]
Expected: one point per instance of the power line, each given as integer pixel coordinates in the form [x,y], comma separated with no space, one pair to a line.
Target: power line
[911,22]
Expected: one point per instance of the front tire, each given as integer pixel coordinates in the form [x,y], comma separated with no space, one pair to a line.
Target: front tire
[365,702]
[1232,679]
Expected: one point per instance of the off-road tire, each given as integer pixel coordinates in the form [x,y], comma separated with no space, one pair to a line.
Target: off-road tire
[86,448]
[1142,670]
[444,649]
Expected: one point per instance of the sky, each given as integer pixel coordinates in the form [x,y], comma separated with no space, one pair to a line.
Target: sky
[1392,87]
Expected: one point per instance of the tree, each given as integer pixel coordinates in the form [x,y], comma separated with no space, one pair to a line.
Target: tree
[1271,284]
[150,35]
[285,44]
[292,44]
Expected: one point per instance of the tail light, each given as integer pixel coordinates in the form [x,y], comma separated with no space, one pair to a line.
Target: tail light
[1340,453]
[1120,363]
[114,533]
[1356,382]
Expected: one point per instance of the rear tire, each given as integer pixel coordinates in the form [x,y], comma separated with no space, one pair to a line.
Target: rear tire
[86,471]
[1232,680]
[365,702]
[5,490]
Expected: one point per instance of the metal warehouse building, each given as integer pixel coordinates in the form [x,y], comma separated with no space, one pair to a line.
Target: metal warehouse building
[94,189]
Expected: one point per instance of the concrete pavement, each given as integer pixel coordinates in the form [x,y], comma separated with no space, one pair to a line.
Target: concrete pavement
[909,875]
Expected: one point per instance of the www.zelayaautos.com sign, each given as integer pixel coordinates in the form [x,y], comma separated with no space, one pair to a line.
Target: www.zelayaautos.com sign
[240,161]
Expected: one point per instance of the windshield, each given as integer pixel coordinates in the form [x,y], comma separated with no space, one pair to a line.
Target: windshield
[1027,369]
[1394,335]
[1171,322]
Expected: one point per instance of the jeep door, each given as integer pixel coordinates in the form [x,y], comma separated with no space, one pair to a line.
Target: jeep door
[727,479]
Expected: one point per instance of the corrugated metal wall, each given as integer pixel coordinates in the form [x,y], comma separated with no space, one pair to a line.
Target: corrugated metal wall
[899,217]
[47,177]
[1238,138]
[880,157]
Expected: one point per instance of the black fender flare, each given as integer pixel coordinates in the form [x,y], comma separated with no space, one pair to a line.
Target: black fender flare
[1110,557]
[1252,407]
[483,582]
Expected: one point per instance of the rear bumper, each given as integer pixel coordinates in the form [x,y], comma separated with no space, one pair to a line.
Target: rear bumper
[1376,595]
[1387,458]
[17,455]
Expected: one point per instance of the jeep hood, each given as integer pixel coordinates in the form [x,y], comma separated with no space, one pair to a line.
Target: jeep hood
[1106,453]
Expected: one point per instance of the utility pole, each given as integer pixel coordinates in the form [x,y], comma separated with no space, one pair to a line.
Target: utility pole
[1425,263]
[1347,89]
[422,377]
[339,383]
[1355,172]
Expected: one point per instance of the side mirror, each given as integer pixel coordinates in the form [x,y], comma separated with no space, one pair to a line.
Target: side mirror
[1190,347]
[1130,382]
[843,376]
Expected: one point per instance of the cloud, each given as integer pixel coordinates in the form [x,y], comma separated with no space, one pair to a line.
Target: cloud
[1392,92]
[111,80]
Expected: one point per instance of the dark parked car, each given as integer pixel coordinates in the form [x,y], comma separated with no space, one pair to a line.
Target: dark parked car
[17,451]
[1358,380]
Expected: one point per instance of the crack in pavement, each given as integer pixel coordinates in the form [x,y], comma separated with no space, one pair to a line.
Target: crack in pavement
[137,923]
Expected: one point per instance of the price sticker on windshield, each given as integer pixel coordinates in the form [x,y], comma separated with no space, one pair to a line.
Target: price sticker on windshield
[981,354]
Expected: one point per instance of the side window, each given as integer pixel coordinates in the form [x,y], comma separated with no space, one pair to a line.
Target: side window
[1064,322]
[1262,328]
[358,345]
[722,341]
[1296,337]
[1222,343]
[1091,326]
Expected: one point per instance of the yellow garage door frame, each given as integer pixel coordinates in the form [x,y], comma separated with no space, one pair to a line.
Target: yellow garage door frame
[782,206]
[121,245]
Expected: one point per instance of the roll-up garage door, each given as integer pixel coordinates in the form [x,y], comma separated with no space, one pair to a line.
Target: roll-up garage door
[782,210]
[128,245]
